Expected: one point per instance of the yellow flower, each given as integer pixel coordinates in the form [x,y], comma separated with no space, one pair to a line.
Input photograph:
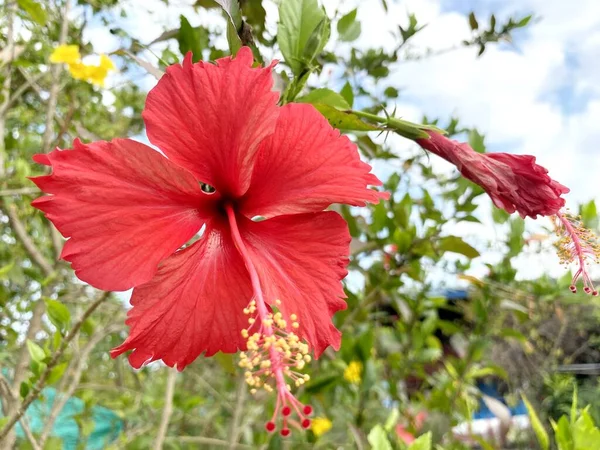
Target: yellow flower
[106,63]
[68,54]
[353,372]
[79,71]
[92,74]
[320,425]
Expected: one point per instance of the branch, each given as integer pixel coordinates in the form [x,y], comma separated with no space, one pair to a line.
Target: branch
[239,408]
[11,397]
[167,409]
[74,373]
[41,383]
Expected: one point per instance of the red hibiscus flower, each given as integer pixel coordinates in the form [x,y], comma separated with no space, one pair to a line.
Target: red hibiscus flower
[514,182]
[232,155]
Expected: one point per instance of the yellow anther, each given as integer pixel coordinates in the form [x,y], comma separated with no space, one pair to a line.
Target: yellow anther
[245,334]
[251,320]
[307,358]
[295,325]
[306,377]
[253,391]
[293,317]
[278,302]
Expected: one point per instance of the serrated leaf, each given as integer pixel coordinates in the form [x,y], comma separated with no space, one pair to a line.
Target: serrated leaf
[298,19]
[378,439]
[191,39]
[326,97]
[34,10]
[343,120]
[348,27]
[536,424]
[457,245]
[58,313]
[35,351]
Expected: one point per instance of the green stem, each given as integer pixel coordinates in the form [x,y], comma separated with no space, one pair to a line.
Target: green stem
[404,128]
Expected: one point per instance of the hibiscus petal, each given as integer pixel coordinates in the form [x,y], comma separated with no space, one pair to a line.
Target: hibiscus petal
[306,166]
[194,304]
[211,118]
[301,260]
[124,206]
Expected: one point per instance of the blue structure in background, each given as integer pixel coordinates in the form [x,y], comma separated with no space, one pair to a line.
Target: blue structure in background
[107,427]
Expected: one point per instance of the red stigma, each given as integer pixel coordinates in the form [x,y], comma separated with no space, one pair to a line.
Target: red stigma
[307,409]
[270,427]
[306,423]
[286,411]
[573,289]
[595,293]
[285,432]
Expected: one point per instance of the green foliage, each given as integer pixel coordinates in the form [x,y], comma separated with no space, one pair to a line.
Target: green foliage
[303,32]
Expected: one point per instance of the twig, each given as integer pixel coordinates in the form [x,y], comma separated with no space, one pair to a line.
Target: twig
[74,376]
[167,409]
[19,191]
[30,247]
[39,385]
[237,414]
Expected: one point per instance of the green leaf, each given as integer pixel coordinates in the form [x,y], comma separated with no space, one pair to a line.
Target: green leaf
[473,21]
[378,439]
[34,10]
[57,372]
[589,214]
[348,27]
[326,97]
[298,20]
[226,362]
[586,434]
[536,424]
[35,351]
[456,245]
[423,442]
[523,22]
[58,313]
[343,120]
[476,141]
[391,92]
[499,215]
[191,39]
[347,93]
[24,389]
[563,435]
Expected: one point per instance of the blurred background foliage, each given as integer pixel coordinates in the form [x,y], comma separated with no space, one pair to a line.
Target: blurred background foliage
[415,352]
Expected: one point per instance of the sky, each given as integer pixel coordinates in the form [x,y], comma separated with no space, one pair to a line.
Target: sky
[538,96]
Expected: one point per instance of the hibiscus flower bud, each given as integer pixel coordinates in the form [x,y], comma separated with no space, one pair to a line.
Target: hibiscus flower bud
[514,182]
